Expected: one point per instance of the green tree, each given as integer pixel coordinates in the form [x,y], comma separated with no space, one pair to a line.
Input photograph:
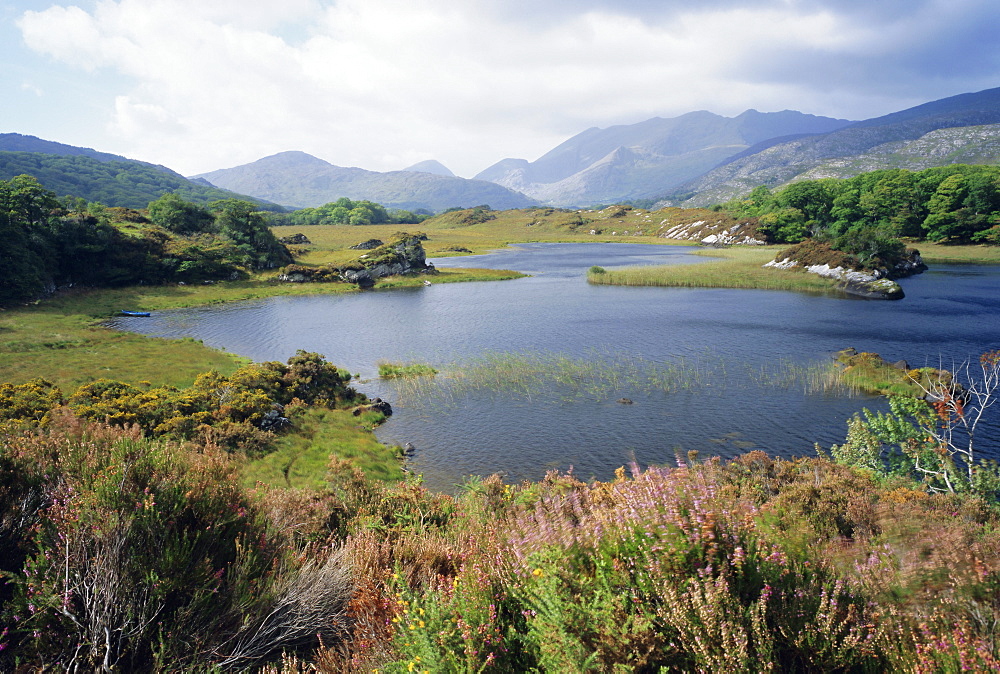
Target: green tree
[181,217]
[26,256]
[244,225]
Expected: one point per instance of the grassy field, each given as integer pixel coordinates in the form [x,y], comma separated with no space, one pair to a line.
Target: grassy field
[935,253]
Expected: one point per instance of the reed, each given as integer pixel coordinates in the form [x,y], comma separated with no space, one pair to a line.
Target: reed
[603,374]
[388,370]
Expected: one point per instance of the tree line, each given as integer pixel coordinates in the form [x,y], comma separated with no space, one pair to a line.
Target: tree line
[344,211]
[947,204]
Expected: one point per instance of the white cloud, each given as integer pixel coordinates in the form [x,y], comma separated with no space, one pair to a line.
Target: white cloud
[386,83]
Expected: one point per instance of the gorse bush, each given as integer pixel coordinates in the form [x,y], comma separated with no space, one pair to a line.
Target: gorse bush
[238,412]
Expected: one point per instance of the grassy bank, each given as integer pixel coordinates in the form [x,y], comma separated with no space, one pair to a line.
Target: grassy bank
[936,253]
[303,459]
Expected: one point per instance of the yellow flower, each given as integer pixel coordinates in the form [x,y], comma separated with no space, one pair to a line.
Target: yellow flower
[538,572]
[420,623]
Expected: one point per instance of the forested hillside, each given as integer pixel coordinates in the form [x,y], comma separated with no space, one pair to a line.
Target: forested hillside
[112,182]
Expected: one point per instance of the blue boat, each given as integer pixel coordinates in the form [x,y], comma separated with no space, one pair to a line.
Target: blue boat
[135,313]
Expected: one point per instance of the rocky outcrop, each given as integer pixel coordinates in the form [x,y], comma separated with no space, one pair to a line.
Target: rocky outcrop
[295,239]
[876,284]
[713,229]
[404,254]
[377,405]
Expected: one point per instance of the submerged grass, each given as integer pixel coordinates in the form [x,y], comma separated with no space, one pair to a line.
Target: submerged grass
[605,375]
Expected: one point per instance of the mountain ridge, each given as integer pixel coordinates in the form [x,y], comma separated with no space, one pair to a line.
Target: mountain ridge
[299,180]
[101,177]
[648,158]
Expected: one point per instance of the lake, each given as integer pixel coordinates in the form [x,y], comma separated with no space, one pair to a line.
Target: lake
[533,369]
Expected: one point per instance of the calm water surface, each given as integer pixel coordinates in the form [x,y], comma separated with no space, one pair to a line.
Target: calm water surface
[734,349]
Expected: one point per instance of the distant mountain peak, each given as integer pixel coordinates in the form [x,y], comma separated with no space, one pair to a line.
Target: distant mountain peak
[431,166]
[646,159]
[291,158]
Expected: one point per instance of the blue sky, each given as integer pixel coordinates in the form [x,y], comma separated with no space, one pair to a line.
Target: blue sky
[383,84]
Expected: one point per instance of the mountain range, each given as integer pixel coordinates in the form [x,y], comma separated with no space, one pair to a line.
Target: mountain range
[963,129]
[696,159]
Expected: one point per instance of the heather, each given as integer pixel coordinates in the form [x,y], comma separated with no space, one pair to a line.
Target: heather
[136,553]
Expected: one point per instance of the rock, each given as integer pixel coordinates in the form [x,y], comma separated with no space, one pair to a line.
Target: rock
[297,239]
[404,254]
[870,284]
[901,365]
[273,420]
[362,277]
[377,405]
[382,406]
[370,244]
[879,289]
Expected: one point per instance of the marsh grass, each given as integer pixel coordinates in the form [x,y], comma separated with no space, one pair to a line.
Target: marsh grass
[739,268]
[302,457]
[388,370]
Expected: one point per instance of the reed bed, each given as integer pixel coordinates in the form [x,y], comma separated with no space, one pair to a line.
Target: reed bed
[602,375]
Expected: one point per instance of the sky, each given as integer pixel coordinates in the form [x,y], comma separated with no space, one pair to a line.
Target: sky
[199,85]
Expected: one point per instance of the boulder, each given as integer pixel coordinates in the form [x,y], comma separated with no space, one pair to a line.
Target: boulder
[370,244]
